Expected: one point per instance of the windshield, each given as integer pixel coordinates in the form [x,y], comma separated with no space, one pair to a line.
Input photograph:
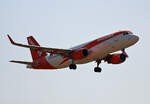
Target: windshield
[127,33]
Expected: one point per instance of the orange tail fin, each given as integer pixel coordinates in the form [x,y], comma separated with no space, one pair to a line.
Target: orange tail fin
[36,53]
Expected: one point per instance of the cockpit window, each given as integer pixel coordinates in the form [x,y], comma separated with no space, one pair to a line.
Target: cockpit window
[126,33]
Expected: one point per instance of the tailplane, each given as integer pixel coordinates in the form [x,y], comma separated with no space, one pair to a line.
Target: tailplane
[35,53]
[29,64]
[22,62]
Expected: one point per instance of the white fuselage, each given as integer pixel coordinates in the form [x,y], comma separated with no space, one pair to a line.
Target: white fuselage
[99,51]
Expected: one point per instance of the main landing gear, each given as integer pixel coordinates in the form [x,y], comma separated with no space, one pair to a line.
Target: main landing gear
[73,66]
[98,69]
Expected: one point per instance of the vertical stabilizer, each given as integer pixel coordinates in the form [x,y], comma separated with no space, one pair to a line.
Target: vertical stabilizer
[36,53]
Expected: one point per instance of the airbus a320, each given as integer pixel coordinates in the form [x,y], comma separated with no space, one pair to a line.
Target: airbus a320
[101,49]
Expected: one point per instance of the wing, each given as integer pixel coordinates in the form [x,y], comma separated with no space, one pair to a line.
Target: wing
[43,49]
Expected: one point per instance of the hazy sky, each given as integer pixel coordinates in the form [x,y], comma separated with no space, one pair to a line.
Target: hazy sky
[65,23]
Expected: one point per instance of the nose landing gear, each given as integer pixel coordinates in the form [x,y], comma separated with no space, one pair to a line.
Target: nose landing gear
[98,69]
[123,52]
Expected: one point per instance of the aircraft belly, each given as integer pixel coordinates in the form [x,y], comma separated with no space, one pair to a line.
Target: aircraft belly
[57,61]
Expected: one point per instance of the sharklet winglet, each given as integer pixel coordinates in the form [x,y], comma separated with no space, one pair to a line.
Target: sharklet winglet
[10,39]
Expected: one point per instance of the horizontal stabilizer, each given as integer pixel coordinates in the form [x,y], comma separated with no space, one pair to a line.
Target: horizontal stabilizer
[22,62]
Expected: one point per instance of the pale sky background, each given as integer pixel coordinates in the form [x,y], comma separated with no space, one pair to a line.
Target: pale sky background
[65,23]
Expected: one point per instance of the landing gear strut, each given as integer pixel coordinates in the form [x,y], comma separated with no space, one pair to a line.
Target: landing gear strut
[123,51]
[72,66]
[98,69]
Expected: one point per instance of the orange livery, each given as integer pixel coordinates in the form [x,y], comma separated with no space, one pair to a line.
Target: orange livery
[97,50]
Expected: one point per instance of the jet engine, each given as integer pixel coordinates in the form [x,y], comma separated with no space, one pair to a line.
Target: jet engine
[116,58]
[80,54]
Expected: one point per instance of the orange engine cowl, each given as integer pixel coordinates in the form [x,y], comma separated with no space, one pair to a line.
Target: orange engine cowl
[116,58]
[80,54]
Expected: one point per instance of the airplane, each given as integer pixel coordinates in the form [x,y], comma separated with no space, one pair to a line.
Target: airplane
[101,49]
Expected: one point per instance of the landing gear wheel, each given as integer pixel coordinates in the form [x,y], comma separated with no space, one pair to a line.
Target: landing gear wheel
[97,69]
[73,66]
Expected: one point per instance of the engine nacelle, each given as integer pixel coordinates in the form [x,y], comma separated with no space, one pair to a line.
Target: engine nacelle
[116,58]
[80,54]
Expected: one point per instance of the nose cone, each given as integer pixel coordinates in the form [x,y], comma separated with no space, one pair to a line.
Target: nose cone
[131,40]
[135,38]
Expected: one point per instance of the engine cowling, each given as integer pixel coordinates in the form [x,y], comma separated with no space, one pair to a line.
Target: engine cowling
[116,58]
[80,54]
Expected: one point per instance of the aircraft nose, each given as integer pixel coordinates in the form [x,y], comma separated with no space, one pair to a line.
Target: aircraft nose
[135,38]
